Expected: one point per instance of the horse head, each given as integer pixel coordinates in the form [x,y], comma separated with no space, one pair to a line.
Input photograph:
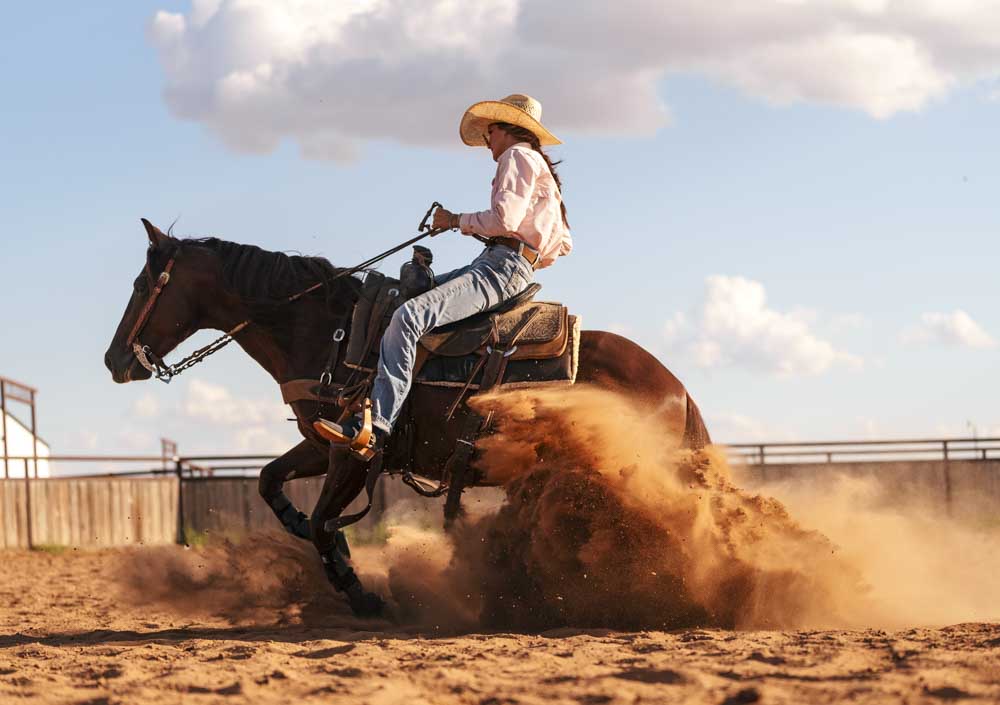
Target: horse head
[167,305]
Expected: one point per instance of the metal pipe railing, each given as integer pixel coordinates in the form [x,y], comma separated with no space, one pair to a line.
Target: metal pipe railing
[945,449]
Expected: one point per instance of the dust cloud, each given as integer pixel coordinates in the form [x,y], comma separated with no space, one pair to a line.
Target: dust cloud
[605,523]
[267,577]
[922,568]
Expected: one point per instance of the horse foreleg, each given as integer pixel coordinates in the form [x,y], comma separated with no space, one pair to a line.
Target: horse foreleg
[304,460]
[344,480]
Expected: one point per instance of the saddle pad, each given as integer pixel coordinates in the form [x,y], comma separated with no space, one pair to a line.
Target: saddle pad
[558,370]
[543,335]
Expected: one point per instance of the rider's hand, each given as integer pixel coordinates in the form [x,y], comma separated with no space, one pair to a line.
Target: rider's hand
[444,219]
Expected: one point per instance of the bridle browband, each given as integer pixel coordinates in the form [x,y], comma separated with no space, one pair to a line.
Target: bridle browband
[164,372]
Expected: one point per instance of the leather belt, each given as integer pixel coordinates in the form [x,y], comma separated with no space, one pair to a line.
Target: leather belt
[527,251]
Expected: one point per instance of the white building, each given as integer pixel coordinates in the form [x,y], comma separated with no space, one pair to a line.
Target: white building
[19,442]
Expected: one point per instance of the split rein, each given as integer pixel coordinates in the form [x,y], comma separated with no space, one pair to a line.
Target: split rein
[164,372]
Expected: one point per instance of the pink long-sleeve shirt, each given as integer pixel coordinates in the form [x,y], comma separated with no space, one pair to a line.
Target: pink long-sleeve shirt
[525,205]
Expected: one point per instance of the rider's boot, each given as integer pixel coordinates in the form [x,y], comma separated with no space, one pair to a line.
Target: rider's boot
[295,522]
[340,432]
[340,573]
[357,431]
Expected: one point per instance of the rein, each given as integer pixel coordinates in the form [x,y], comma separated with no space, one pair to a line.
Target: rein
[164,372]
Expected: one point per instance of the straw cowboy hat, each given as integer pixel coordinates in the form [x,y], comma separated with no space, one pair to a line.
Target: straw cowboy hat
[517,109]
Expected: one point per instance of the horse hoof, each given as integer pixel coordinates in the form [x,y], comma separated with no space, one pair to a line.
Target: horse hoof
[367,604]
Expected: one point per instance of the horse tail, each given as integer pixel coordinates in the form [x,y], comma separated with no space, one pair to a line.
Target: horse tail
[695,434]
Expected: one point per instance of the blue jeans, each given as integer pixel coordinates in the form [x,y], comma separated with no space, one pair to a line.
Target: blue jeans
[496,275]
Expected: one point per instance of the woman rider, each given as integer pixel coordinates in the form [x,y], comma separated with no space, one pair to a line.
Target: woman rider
[527,230]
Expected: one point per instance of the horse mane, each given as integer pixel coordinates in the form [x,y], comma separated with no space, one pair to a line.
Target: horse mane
[265,279]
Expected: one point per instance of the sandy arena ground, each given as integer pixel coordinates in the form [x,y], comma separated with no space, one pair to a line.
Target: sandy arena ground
[65,637]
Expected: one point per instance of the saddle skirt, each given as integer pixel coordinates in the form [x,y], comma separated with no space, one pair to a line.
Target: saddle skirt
[519,343]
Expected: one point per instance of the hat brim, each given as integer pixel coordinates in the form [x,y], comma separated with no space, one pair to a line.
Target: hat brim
[478,117]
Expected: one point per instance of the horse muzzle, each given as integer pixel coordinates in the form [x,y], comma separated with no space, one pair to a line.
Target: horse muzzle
[125,368]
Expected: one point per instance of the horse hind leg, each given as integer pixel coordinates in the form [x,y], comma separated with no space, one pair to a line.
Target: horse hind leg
[304,460]
[344,481]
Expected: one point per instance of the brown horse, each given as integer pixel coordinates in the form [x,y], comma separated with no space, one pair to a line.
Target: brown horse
[214,284]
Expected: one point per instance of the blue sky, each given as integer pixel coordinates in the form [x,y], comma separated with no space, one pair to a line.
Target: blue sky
[867,233]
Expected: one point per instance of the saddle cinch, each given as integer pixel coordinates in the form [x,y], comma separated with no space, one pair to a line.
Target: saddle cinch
[519,343]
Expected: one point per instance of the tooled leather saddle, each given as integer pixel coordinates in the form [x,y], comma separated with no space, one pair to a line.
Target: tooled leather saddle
[520,342]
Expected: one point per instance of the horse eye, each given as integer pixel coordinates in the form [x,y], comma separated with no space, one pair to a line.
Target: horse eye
[140,285]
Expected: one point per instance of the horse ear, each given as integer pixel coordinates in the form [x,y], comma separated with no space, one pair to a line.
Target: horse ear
[156,236]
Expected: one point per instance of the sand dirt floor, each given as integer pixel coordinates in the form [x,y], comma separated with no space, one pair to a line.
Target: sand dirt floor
[68,636]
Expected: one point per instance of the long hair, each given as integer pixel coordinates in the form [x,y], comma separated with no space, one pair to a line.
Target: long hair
[525,135]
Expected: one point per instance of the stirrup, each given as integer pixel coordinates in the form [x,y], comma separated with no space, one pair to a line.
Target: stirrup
[362,444]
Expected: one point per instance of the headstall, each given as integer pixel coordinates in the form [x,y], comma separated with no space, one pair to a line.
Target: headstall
[153,362]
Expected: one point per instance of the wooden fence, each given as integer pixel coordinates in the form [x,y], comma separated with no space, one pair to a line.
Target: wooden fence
[88,512]
[112,511]
[232,504]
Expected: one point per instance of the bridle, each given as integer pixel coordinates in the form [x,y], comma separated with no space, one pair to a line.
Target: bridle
[153,362]
[164,372]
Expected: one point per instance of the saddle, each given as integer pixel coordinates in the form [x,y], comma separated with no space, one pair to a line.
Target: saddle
[518,343]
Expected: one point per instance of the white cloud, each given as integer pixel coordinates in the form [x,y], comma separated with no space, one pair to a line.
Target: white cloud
[83,439]
[956,328]
[871,428]
[736,328]
[264,440]
[333,75]
[675,327]
[206,401]
[740,428]
[849,321]
[147,406]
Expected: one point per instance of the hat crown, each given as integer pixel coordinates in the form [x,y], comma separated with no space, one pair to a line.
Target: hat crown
[525,103]
[516,109]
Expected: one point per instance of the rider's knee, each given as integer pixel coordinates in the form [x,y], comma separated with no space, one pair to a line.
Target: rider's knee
[406,318]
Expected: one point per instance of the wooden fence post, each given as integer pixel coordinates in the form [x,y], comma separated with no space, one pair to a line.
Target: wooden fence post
[179,472]
[3,425]
[947,478]
[27,505]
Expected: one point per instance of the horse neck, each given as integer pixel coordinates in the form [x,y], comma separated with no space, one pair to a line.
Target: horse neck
[294,343]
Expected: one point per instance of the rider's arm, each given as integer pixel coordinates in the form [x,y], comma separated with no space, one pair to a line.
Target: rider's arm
[517,173]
